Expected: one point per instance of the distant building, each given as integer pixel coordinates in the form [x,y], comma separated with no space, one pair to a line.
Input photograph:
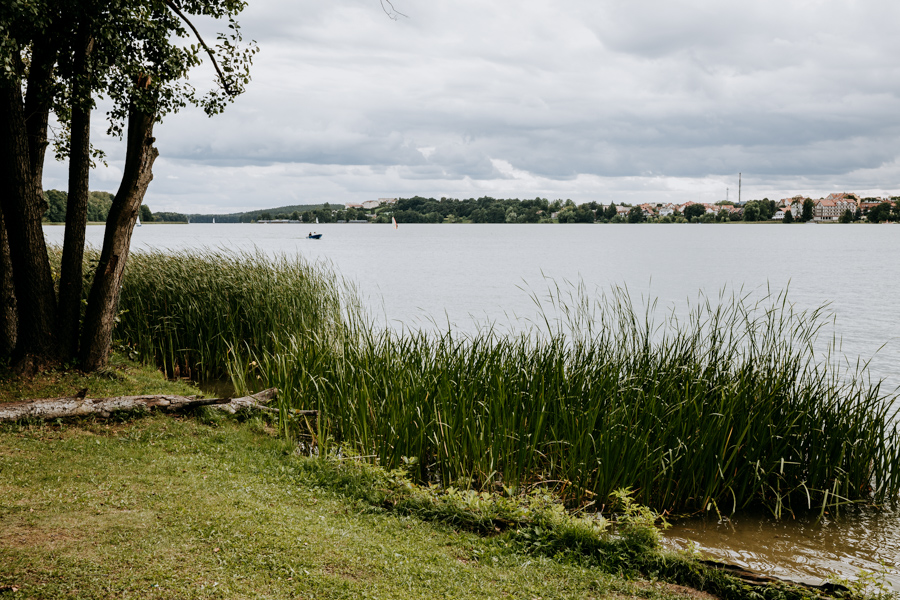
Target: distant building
[667,209]
[370,204]
[832,207]
[844,197]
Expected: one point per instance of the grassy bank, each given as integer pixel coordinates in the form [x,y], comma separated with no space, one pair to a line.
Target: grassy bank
[728,408]
[164,508]
[121,377]
[209,507]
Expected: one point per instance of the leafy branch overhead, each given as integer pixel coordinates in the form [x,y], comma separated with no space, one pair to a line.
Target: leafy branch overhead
[153,48]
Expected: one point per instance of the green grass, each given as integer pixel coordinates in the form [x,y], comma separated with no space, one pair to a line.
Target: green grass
[175,508]
[122,377]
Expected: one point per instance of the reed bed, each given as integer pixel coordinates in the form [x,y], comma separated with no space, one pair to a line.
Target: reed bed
[726,409]
[185,311]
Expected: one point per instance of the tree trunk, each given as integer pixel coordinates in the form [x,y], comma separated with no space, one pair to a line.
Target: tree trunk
[7,297]
[76,406]
[70,282]
[104,297]
[21,200]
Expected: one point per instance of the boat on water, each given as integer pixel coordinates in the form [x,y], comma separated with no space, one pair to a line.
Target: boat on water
[138,224]
[314,236]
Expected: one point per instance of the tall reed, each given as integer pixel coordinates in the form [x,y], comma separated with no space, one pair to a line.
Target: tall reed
[726,409]
[186,310]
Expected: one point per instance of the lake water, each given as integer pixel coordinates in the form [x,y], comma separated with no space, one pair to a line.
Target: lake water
[464,274]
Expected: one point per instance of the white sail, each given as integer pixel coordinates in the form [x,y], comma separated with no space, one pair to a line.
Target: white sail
[317,220]
[138,224]
[394,221]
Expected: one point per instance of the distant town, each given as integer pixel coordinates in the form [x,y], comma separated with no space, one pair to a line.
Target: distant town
[844,207]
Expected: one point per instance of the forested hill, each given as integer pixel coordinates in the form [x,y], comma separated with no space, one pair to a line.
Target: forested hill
[99,203]
[98,206]
[281,212]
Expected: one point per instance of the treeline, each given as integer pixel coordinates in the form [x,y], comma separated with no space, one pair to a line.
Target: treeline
[291,212]
[542,210]
[99,204]
[482,210]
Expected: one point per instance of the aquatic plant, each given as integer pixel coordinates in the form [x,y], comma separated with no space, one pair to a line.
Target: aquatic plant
[739,403]
[185,310]
[728,408]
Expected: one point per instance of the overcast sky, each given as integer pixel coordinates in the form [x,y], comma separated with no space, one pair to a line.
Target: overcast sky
[623,100]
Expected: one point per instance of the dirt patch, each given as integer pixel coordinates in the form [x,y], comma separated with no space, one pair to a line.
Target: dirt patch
[20,536]
[345,571]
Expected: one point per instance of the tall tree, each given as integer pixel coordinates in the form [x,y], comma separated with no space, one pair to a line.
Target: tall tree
[60,55]
[28,56]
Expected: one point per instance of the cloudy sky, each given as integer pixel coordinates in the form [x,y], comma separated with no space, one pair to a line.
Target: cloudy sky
[624,100]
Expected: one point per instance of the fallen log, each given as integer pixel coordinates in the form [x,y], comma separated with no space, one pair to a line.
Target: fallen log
[76,406]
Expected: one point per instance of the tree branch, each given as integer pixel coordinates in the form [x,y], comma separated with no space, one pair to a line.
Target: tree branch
[212,56]
[393,11]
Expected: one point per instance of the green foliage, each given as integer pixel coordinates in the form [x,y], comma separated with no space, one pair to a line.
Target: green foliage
[760,210]
[880,213]
[751,212]
[868,585]
[808,208]
[146,215]
[692,211]
[788,216]
[635,215]
[169,217]
[99,204]
[56,206]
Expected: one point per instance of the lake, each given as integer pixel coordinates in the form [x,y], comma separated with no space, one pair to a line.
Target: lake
[431,275]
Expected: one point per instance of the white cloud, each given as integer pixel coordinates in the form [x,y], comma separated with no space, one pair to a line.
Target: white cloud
[614,100]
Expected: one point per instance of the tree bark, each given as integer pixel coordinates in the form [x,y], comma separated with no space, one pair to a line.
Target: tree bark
[7,297]
[74,406]
[70,282]
[104,297]
[23,139]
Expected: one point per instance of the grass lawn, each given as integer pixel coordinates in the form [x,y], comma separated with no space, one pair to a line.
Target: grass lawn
[168,506]
[175,507]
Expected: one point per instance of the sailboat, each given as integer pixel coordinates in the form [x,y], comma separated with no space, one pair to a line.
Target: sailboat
[214,220]
[317,220]
[394,221]
[138,224]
